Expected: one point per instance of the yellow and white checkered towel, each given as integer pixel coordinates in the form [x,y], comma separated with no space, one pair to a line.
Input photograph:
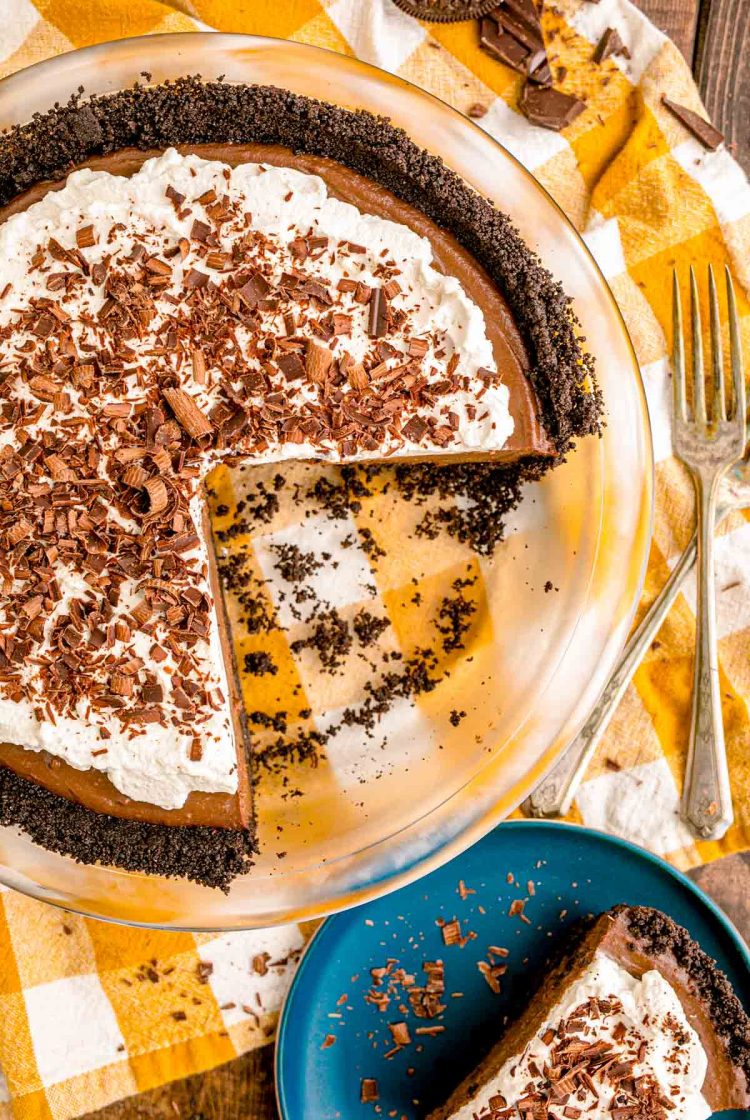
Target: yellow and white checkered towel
[90,1012]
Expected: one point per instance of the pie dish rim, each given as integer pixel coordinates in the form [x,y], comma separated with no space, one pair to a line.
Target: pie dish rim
[244,46]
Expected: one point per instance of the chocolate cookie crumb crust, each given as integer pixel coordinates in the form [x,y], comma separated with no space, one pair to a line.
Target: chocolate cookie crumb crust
[190,111]
[209,856]
[661,935]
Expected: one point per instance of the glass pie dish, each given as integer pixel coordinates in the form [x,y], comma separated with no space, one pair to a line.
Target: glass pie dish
[362,822]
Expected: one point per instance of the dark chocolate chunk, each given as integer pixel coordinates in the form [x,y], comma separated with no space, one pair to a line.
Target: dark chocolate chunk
[505,48]
[520,20]
[540,72]
[516,39]
[549,108]
[701,129]
[610,44]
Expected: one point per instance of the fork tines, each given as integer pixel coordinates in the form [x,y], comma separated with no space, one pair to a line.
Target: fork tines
[693,414]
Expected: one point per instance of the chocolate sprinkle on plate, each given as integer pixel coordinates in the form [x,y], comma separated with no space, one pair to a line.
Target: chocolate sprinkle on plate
[368,1090]
[446,11]
[701,129]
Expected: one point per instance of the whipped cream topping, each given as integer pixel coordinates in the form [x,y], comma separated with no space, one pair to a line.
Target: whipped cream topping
[613,1048]
[149,327]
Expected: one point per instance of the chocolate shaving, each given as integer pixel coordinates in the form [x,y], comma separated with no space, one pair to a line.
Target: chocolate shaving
[135,476]
[451,932]
[158,495]
[368,1091]
[377,324]
[187,413]
[198,360]
[293,368]
[700,128]
[158,267]
[415,429]
[318,361]
[85,237]
[400,1033]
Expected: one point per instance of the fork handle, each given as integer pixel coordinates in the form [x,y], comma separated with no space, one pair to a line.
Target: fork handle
[554,795]
[707,798]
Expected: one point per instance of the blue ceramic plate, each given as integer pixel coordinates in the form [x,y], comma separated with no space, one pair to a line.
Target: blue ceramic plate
[574,871]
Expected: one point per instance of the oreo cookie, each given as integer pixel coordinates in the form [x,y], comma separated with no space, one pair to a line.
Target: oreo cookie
[446,11]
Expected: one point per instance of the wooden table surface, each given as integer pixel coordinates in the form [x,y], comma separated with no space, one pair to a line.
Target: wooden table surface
[714,35]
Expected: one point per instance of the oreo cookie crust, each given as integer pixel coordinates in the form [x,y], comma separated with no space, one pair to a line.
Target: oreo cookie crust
[190,111]
[661,935]
[210,856]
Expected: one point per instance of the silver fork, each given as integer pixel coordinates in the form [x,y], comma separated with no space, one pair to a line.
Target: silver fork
[555,793]
[708,445]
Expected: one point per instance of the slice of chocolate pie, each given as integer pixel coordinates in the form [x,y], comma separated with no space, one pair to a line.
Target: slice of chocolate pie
[635,1023]
[292,281]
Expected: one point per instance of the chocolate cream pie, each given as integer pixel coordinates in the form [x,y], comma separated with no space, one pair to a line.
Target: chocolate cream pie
[200,273]
[635,1023]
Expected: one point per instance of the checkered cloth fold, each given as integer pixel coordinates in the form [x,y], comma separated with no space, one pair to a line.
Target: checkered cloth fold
[90,1012]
